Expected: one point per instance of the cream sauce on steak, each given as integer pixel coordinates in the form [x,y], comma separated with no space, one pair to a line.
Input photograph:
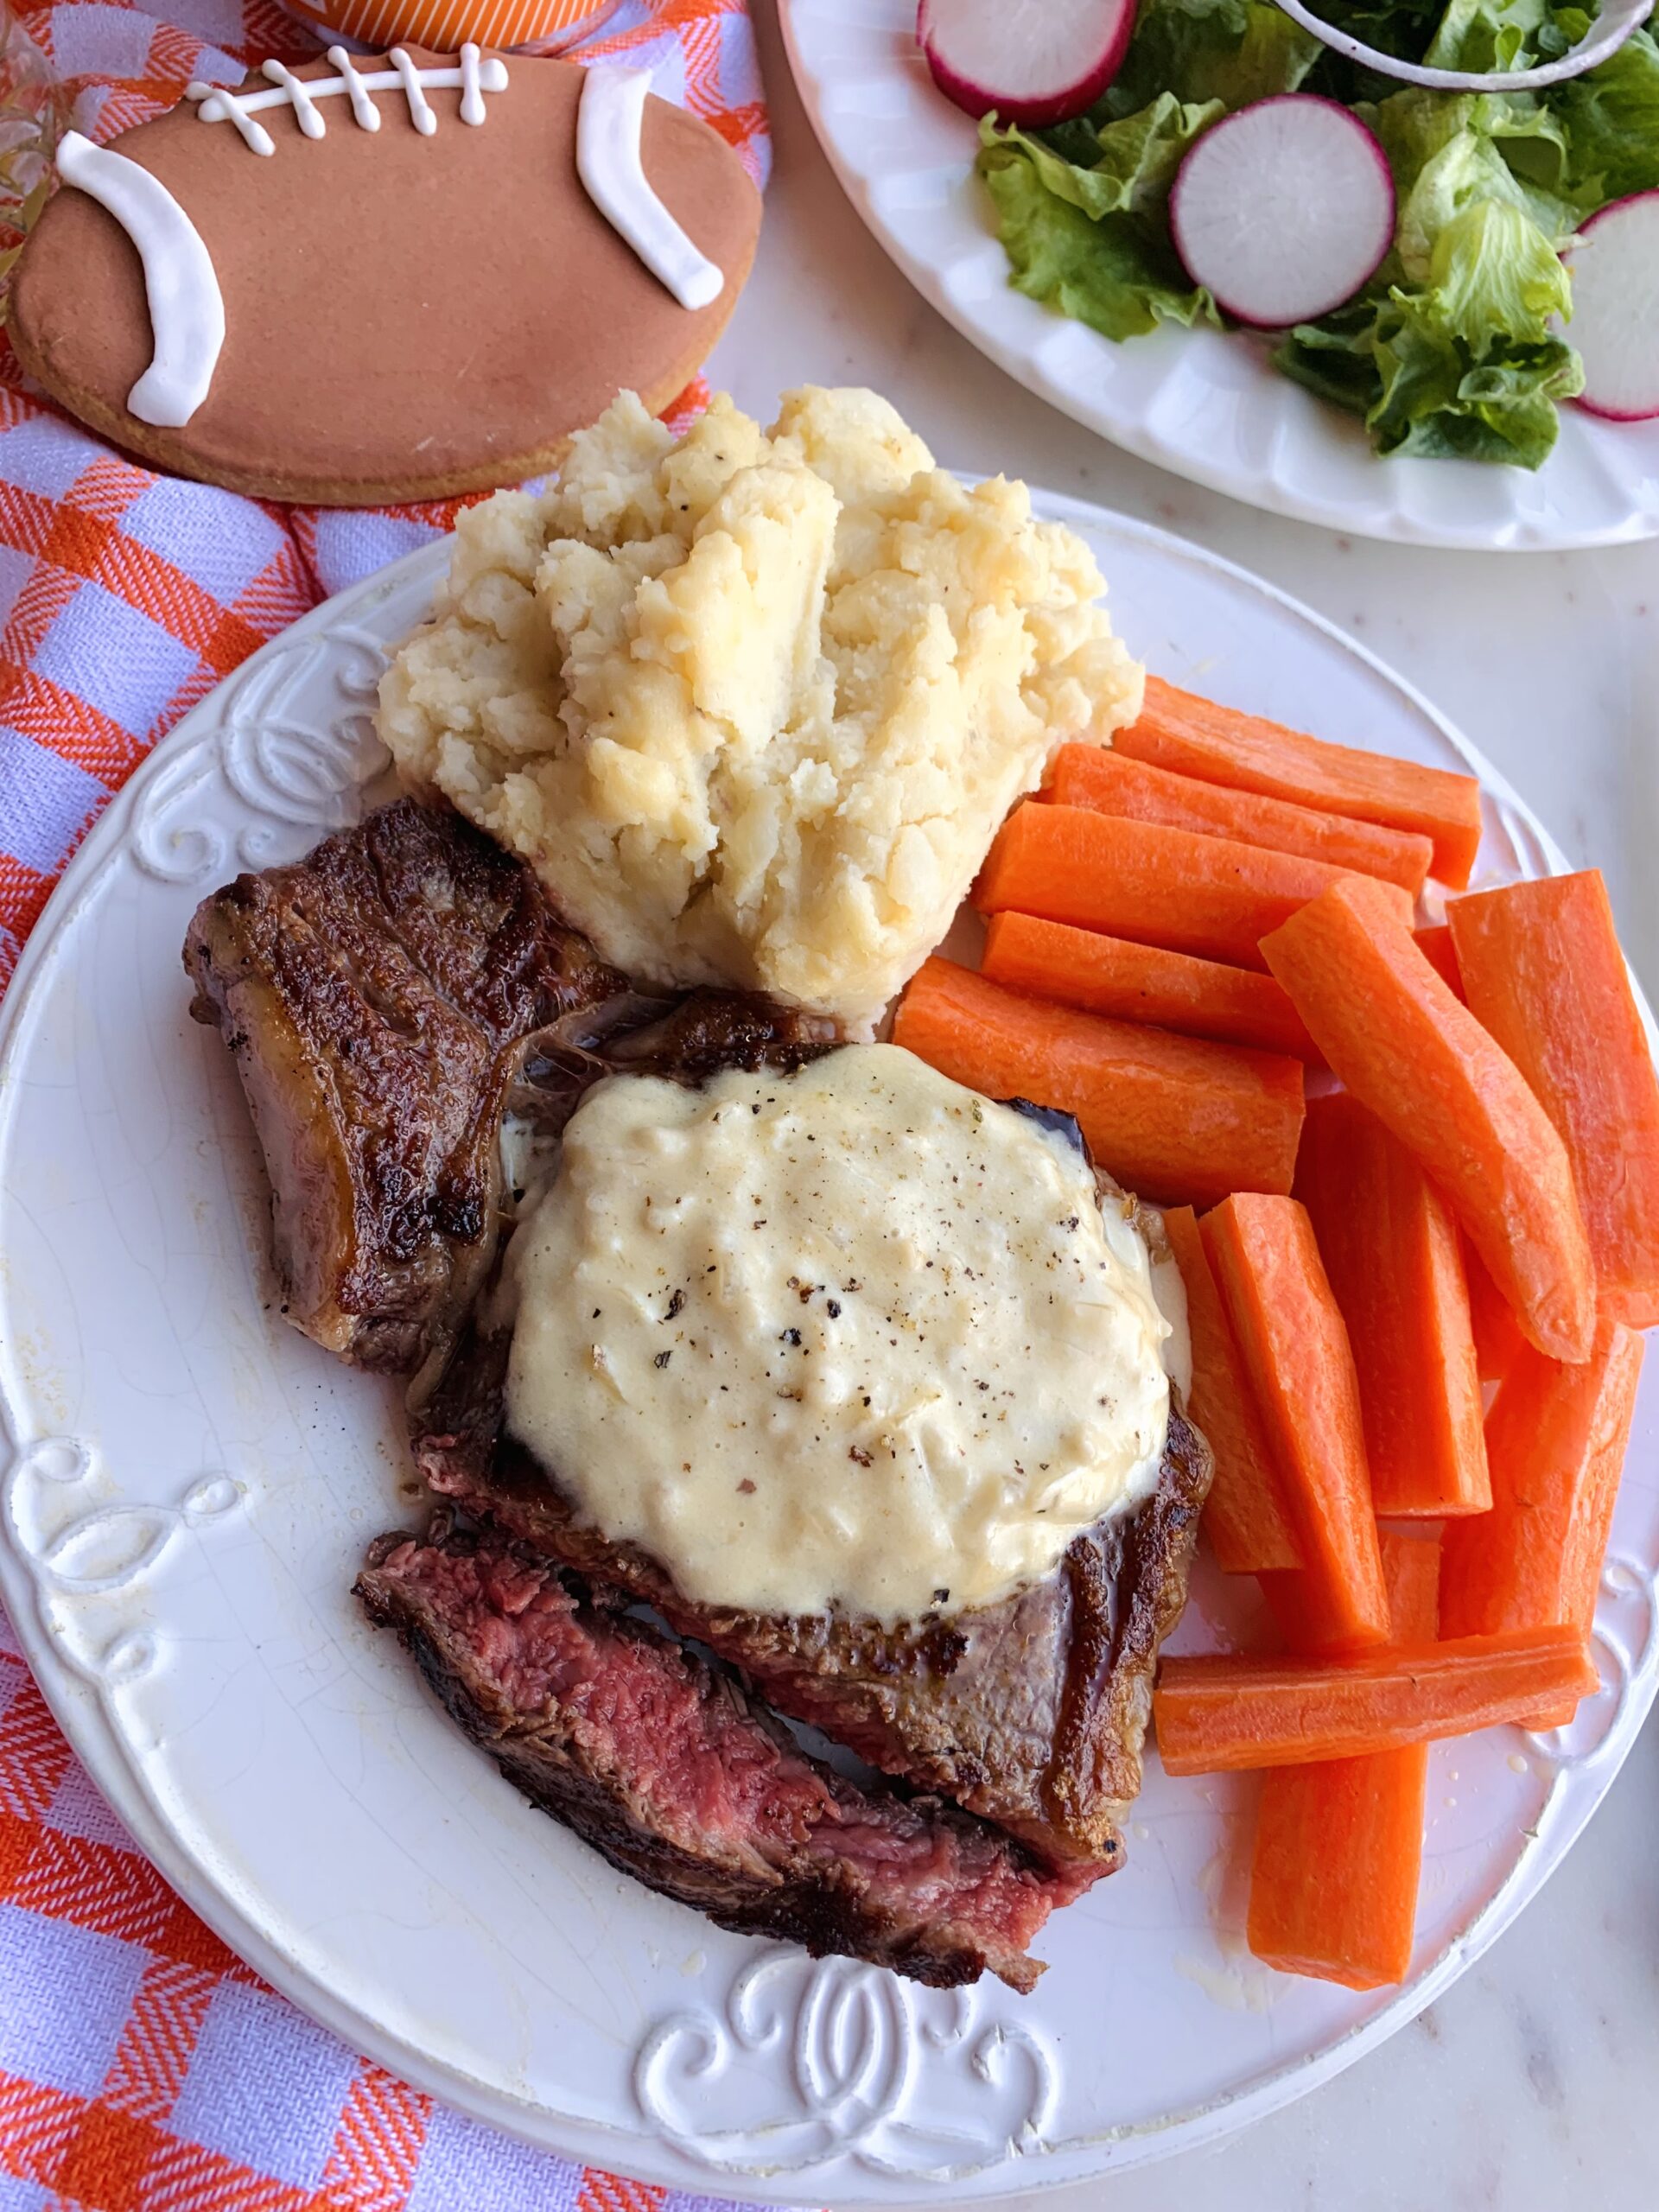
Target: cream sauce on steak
[852,1336]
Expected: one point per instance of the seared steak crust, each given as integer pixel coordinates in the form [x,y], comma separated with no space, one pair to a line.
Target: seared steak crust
[388,998]
[684,1040]
[1031,1712]
[661,1764]
[377,996]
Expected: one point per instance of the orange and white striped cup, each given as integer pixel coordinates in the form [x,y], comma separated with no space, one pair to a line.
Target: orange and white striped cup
[444,26]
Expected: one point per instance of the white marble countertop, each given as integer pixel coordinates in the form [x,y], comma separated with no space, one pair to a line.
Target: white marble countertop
[1535,2076]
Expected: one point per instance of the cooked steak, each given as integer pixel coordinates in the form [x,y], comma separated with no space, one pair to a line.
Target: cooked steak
[378,997]
[661,1764]
[390,1001]
[686,1041]
[1031,1713]
[386,999]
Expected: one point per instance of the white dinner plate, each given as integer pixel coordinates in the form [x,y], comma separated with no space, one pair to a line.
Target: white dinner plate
[191,1485]
[1206,403]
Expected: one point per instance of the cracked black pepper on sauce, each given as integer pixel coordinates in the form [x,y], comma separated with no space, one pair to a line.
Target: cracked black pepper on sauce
[852,1336]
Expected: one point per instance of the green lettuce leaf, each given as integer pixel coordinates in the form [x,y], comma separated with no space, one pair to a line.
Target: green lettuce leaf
[1465,365]
[1455,347]
[1495,276]
[1451,152]
[1124,165]
[1610,118]
[1091,238]
[1449,33]
[1489,35]
[1234,51]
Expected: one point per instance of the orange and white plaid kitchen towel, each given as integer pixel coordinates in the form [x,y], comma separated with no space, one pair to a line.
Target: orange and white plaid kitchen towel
[144,2068]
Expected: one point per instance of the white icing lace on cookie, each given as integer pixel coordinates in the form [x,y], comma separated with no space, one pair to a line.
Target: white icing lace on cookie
[473,78]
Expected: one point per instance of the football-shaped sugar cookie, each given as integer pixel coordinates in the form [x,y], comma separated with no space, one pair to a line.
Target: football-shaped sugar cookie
[378,279]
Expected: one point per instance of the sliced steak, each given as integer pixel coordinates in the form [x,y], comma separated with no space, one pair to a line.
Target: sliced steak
[1031,1712]
[390,1001]
[686,1041]
[387,999]
[661,1764]
[377,997]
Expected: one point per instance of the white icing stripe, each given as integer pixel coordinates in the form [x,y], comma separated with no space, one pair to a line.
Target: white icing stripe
[472,100]
[473,78]
[608,124]
[217,106]
[365,113]
[420,108]
[187,312]
[306,112]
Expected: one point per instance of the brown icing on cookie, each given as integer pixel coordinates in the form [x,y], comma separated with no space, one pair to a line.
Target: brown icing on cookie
[406,316]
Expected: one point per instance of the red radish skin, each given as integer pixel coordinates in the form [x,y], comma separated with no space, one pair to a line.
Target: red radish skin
[1615,327]
[1283,210]
[1030,62]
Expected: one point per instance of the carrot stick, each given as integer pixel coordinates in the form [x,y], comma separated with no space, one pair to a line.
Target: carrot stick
[1339,1845]
[1309,1612]
[1338,1863]
[1394,1257]
[1215,1715]
[1295,1352]
[1555,1437]
[1435,944]
[1411,1575]
[1196,737]
[1497,1334]
[1143,982]
[1543,972]
[1112,783]
[1204,895]
[1246,1516]
[1398,1039]
[1176,1120]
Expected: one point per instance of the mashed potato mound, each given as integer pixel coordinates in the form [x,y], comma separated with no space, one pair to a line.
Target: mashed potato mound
[753,704]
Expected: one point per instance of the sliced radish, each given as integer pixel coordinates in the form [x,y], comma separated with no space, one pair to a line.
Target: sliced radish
[1615,326]
[1283,210]
[1034,61]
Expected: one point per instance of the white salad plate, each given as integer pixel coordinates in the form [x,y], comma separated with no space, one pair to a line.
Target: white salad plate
[1206,403]
[189,1486]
